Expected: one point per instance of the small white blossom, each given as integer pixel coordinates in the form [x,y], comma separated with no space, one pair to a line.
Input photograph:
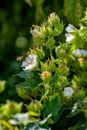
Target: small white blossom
[29,62]
[20,118]
[77,52]
[80,52]
[53,16]
[69,37]
[70,28]
[34,32]
[68,91]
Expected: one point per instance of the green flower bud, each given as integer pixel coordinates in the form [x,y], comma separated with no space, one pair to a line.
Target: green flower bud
[40,53]
[60,52]
[52,18]
[35,106]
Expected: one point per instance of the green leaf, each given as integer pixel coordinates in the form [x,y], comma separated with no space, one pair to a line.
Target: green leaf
[24,85]
[27,74]
[74,113]
[42,122]
[34,108]
[51,107]
[32,79]
[23,74]
[26,88]
[35,127]
[78,42]
[33,114]
[83,32]
[54,79]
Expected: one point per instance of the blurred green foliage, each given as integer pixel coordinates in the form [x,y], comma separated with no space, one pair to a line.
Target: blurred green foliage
[16,18]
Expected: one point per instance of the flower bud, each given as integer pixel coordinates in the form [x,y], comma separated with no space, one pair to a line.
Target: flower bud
[45,75]
[34,32]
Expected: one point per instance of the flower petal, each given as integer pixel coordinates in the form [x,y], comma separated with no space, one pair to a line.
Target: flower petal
[70,28]
[68,91]
[29,62]
[69,37]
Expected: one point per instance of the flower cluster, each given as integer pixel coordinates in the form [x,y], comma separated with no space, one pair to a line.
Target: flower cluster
[52,28]
[55,74]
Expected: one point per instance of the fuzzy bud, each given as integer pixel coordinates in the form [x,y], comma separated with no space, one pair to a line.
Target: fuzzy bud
[45,75]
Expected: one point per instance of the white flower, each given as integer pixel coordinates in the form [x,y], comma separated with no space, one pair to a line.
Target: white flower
[29,62]
[80,52]
[77,52]
[53,16]
[70,28]
[68,91]
[34,32]
[69,37]
[20,118]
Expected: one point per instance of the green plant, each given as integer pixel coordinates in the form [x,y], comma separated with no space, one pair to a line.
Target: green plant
[55,77]
[54,80]
[14,36]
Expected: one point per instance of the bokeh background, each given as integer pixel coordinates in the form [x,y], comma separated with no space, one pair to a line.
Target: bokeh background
[16,19]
